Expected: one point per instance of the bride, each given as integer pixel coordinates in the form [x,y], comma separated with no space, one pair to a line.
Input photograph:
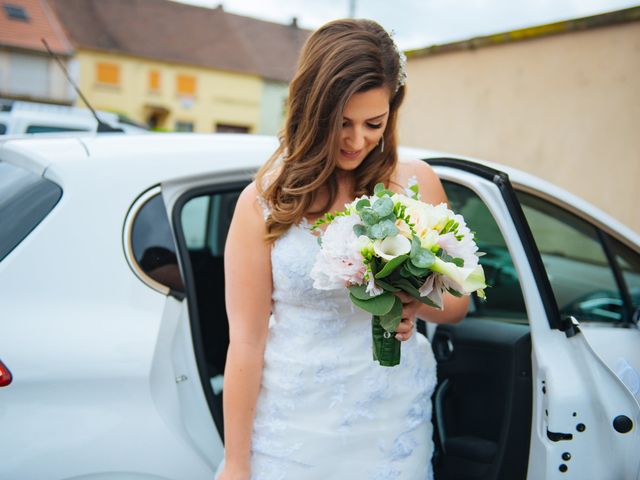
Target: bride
[303,398]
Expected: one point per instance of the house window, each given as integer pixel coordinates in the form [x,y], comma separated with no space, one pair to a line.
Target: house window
[16,12]
[226,128]
[108,74]
[184,126]
[154,80]
[186,85]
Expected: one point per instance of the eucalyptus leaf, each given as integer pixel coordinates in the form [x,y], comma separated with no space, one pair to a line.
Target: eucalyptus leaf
[415,271]
[359,229]
[423,258]
[383,206]
[362,204]
[391,320]
[416,245]
[379,305]
[369,216]
[391,265]
[385,228]
[380,191]
[359,291]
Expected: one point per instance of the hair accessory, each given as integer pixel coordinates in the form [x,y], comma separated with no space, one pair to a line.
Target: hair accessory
[402,58]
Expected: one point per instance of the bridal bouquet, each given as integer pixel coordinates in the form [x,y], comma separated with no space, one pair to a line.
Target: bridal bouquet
[390,242]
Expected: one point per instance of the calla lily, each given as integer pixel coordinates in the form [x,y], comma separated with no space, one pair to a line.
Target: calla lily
[392,247]
[467,279]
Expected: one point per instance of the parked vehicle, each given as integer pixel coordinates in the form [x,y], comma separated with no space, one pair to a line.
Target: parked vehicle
[113,331]
[18,117]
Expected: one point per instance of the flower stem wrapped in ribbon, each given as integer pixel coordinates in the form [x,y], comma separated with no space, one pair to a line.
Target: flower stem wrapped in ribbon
[387,243]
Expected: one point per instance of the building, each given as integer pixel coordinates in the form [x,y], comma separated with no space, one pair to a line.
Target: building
[27,71]
[182,67]
[561,101]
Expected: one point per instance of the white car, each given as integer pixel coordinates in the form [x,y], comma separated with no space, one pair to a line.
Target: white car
[113,330]
[27,118]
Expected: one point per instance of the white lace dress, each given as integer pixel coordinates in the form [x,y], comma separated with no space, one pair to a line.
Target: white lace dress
[326,410]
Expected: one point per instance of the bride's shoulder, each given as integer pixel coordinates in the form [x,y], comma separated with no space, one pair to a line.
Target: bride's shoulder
[411,170]
[250,206]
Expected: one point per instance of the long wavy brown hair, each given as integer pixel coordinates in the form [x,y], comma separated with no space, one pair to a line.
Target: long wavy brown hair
[339,59]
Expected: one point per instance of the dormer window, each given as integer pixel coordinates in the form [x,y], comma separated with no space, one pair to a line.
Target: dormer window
[16,12]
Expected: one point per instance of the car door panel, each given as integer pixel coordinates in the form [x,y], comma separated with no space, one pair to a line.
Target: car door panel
[484,396]
[568,380]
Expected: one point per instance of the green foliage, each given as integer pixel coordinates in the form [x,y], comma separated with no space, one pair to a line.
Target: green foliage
[416,190]
[420,257]
[387,286]
[330,217]
[382,229]
[391,265]
[362,203]
[369,216]
[458,262]
[359,229]
[359,291]
[379,305]
[450,226]
[383,207]
[380,191]
[391,320]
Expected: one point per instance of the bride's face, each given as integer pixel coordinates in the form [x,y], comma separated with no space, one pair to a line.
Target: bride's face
[364,120]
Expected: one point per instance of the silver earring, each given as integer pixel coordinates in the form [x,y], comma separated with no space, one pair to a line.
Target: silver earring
[382,145]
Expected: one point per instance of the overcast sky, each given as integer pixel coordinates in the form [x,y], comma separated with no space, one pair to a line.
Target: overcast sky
[420,23]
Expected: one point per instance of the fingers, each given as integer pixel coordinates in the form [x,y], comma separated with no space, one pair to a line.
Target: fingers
[409,306]
[404,329]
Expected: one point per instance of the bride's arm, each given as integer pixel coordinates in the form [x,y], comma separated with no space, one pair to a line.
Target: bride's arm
[455,308]
[248,300]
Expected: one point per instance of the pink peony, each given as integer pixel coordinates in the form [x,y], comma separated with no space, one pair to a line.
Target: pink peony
[339,262]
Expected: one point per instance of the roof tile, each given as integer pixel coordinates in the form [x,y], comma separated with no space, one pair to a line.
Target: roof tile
[175,32]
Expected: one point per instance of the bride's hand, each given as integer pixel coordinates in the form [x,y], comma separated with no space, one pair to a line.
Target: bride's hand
[409,307]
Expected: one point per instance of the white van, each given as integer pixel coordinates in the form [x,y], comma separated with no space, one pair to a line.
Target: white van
[18,118]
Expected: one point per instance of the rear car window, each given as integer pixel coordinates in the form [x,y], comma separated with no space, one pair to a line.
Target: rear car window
[25,200]
[52,129]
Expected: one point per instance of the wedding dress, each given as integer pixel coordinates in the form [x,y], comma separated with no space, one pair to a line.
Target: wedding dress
[326,409]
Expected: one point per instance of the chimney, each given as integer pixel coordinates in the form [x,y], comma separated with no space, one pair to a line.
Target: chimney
[294,22]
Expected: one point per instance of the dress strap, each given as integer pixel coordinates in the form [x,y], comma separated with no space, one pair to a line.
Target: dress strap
[266,210]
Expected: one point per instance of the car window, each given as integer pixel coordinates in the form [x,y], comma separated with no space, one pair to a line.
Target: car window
[52,129]
[206,220]
[25,200]
[153,246]
[628,261]
[504,295]
[3,129]
[581,277]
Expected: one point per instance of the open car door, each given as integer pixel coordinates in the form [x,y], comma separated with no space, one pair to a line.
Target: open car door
[521,392]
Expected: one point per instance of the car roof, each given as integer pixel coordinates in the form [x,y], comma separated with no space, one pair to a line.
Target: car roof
[183,155]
